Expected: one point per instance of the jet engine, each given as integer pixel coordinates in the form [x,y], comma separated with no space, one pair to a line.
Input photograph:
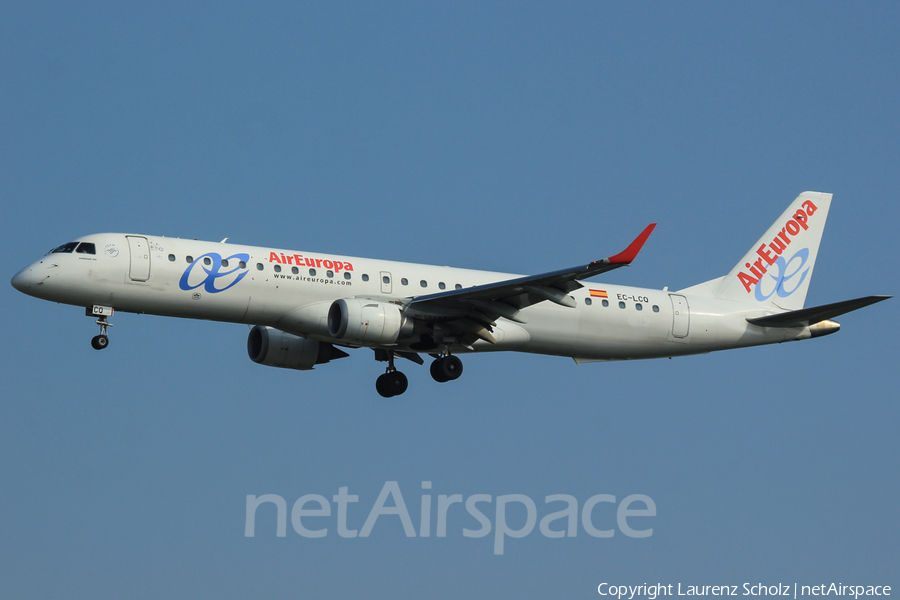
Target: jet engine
[368,321]
[275,348]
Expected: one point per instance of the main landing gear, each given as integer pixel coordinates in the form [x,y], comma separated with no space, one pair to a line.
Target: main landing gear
[446,368]
[392,382]
[99,342]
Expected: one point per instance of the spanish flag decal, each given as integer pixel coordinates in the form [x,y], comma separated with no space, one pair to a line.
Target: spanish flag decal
[599,294]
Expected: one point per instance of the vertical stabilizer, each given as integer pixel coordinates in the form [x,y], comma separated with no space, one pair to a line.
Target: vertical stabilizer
[777,269]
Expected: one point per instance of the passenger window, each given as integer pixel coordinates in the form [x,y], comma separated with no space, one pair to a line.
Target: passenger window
[655,308]
[312,272]
[188,259]
[621,305]
[224,262]
[346,274]
[587,301]
[385,279]
[639,307]
[278,268]
[423,283]
[404,281]
[295,270]
[86,248]
[259,266]
[365,277]
[242,264]
[442,285]
[171,258]
[606,303]
[64,249]
[329,273]
[207,261]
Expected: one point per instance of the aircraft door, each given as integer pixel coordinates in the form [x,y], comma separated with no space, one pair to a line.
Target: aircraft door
[385,282]
[140,258]
[681,316]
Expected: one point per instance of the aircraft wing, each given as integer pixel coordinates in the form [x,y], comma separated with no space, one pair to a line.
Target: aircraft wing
[470,313]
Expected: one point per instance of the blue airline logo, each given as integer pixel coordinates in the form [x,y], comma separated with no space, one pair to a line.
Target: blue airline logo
[783,285]
[212,272]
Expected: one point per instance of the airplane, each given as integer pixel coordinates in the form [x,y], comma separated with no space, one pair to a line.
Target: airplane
[307,308]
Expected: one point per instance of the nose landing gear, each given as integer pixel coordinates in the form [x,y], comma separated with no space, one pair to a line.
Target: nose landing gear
[99,342]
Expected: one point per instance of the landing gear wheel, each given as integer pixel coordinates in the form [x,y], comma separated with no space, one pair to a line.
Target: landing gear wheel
[392,383]
[397,382]
[437,373]
[99,342]
[446,369]
[381,386]
[452,367]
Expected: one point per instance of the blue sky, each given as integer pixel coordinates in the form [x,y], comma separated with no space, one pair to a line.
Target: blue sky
[517,137]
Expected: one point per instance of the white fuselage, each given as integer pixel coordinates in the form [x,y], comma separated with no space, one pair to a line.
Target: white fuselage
[292,291]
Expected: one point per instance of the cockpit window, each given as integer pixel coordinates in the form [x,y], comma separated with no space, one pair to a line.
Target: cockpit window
[86,248]
[65,248]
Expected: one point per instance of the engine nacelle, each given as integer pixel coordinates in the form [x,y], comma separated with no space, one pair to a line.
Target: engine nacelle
[275,348]
[368,321]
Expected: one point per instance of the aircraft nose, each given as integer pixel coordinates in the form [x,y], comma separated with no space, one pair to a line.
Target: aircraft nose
[24,279]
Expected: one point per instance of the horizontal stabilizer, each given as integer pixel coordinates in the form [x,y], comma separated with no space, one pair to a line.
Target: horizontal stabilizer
[809,316]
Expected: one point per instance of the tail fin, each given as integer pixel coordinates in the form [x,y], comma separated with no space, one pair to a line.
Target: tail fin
[777,269]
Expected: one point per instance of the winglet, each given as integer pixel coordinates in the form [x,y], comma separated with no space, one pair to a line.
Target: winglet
[626,256]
